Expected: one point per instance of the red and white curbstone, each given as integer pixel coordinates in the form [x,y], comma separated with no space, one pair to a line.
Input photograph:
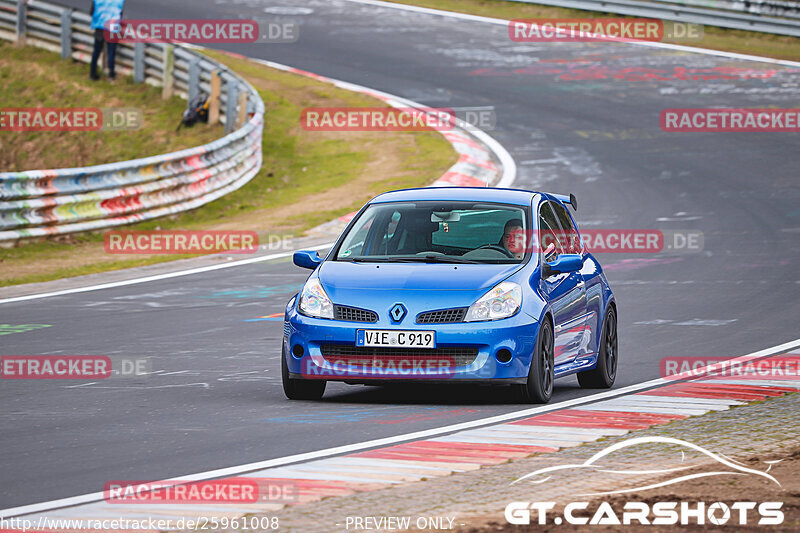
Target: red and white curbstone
[485,446]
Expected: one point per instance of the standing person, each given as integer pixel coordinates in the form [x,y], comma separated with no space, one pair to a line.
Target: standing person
[103,12]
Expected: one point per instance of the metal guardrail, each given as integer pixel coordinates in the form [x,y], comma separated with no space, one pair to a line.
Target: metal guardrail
[677,11]
[773,8]
[39,203]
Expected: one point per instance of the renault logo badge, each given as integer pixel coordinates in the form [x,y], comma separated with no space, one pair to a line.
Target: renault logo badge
[397,312]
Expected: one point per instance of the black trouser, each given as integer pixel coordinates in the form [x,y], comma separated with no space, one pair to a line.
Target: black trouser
[99,41]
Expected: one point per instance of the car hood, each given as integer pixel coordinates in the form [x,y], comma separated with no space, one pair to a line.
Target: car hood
[412,276]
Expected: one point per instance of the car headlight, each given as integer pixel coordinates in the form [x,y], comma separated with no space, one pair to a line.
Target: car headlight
[503,301]
[314,301]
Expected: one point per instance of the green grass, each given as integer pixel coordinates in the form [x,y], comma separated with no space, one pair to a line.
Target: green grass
[30,77]
[297,166]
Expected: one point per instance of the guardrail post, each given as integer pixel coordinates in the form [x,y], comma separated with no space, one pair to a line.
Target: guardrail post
[169,75]
[213,98]
[243,100]
[66,33]
[194,77]
[22,15]
[232,90]
[138,62]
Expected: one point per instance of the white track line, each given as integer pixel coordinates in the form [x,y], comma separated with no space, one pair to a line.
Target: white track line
[417,435]
[754,382]
[504,22]
[692,401]
[157,277]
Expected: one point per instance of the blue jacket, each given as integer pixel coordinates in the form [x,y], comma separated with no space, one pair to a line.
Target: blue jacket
[104,11]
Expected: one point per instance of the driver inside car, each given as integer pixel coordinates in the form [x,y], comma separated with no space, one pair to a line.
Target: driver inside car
[513,238]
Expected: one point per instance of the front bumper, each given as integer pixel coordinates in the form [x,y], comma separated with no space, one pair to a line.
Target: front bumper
[318,348]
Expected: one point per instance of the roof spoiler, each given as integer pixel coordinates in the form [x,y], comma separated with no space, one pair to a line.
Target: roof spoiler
[571,200]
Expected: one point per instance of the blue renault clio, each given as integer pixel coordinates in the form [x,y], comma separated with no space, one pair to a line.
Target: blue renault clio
[453,285]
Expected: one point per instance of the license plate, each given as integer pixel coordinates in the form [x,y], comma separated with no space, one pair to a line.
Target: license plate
[392,338]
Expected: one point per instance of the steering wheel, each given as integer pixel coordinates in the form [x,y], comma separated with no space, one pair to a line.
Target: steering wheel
[496,248]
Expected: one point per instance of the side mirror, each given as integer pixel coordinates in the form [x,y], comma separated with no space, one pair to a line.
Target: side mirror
[564,263]
[307,259]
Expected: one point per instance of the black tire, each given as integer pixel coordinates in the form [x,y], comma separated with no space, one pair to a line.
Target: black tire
[300,389]
[539,387]
[603,375]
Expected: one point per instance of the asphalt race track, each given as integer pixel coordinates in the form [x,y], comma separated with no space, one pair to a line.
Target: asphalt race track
[576,117]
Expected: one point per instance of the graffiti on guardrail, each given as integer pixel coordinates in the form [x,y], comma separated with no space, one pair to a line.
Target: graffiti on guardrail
[42,203]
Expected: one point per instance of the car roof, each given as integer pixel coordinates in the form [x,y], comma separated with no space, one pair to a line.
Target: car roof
[454,194]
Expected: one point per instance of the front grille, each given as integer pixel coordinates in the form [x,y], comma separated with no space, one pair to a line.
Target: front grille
[443,316]
[358,355]
[287,329]
[354,314]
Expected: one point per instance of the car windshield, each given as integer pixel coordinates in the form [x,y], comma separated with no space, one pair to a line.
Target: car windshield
[437,232]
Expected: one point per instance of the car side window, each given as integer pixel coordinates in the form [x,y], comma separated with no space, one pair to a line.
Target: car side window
[548,233]
[354,245]
[570,240]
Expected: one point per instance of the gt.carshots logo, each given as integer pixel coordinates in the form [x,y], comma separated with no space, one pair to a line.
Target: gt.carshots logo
[641,513]
[629,478]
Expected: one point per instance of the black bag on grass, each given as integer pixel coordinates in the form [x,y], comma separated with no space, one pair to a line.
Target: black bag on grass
[196,111]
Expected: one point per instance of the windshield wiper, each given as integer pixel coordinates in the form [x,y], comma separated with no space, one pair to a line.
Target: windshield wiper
[439,259]
[367,259]
[410,259]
